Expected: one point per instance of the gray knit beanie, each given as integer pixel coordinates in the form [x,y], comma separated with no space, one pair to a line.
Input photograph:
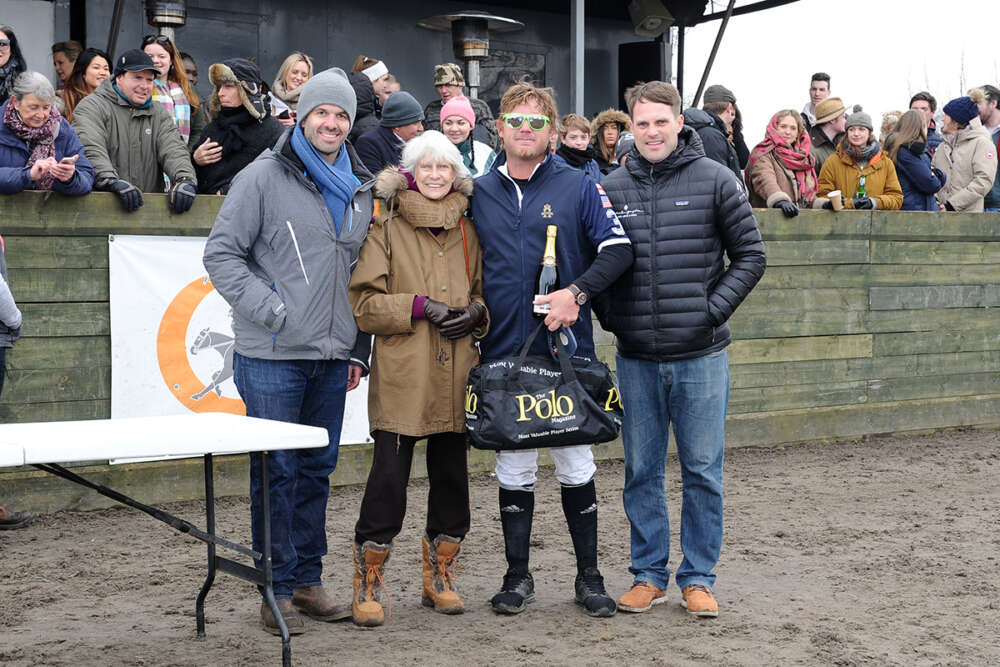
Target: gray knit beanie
[400,109]
[860,119]
[328,87]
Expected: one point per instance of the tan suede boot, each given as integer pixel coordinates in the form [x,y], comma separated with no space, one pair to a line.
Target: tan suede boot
[439,573]
[366,607]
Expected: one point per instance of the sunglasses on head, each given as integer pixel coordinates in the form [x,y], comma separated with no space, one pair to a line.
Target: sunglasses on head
[159,39]
[4,43]
[515,121]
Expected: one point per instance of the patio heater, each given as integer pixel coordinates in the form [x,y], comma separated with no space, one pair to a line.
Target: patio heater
[470,38]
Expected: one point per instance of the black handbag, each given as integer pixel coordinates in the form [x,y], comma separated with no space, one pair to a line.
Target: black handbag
[527,402]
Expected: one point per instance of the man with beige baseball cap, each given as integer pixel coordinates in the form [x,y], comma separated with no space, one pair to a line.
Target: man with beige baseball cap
[831,116]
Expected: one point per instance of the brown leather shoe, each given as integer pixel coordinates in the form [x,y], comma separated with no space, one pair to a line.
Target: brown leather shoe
[293,620]
[699,601]
[14,520]
[641,597]
[314,602]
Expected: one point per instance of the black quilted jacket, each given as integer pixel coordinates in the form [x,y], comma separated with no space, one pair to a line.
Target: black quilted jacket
[681,214]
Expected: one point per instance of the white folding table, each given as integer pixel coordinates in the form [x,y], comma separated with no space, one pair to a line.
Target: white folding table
[46,445]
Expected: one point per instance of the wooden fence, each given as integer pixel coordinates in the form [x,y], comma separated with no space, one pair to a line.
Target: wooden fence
[864,323]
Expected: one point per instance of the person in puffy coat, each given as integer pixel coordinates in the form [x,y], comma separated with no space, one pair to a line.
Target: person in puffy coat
[967,156]
[781,171]
[859,160]
[425,345]
[38,149]
[907,148]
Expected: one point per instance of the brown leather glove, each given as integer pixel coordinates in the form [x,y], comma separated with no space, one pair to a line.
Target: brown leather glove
[464,321]
[436,312]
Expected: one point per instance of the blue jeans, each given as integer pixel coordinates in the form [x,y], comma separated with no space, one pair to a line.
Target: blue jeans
[693,394]
[301,392]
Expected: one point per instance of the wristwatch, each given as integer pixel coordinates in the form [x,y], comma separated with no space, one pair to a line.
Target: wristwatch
[578,294]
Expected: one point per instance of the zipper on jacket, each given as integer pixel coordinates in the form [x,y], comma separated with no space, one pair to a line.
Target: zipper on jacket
[653,279]
[298,253]
[520,238]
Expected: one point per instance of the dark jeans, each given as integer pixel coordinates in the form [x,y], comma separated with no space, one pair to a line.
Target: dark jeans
[302,392]
[384,504]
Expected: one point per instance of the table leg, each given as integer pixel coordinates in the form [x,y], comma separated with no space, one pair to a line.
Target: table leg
[265,485]
[199,607]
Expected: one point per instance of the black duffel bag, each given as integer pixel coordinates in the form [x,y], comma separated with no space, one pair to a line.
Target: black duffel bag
[527,402]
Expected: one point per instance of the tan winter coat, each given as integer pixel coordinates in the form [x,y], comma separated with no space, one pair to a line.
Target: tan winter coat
[418,377]
[970,163]
[135,145]
[770,182]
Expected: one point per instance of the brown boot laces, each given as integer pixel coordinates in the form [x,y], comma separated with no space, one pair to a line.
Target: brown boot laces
[448,569]
[699,587]
[373,574]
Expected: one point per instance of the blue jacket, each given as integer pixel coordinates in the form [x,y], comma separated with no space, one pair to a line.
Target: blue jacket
[918,180]
[590,168]
[379,148]
[933,138]
[14,155]
[511,228]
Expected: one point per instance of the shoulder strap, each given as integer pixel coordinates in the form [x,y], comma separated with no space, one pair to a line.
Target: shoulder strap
[465,246]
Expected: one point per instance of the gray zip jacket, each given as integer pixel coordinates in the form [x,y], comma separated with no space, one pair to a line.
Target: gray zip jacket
[274,255]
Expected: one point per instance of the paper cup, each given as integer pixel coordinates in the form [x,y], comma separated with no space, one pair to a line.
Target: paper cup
[837,199]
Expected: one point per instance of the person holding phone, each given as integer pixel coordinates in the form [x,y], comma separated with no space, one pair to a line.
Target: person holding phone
[241,129]
[38,148]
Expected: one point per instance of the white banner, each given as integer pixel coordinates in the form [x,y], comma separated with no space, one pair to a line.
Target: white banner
[172,338]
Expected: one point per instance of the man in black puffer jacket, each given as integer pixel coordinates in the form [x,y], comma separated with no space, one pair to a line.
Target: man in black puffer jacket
[683,212]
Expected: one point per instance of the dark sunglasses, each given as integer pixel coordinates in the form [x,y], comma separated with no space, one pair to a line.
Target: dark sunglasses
[515,121]
[4,43]
[159,39]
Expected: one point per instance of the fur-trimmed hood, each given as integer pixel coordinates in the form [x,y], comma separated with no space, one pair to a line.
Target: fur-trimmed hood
[609,116]
[391,181]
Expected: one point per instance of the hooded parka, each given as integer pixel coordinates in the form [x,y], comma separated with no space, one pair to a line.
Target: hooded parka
[418,376]
[970,163]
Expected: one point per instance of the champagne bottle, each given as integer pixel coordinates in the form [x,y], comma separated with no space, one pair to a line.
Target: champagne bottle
[548,272]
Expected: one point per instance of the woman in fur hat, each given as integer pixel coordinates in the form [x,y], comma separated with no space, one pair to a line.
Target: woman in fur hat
[605,129]
[241,128]
[418,287]
[864,175]
[781,171]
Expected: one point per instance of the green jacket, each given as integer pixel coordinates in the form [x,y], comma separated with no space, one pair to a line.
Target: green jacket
[135,145]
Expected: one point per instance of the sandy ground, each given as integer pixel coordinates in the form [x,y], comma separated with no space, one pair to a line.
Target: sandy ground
[866,553]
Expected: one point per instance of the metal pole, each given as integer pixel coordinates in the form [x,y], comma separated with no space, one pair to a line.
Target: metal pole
[577,47]
[715,50]
[680,62]
[116,24]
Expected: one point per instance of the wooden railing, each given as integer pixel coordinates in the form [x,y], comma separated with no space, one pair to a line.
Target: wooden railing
[864,323]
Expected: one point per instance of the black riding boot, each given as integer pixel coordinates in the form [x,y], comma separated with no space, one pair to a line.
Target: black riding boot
[580,507]
[516,511]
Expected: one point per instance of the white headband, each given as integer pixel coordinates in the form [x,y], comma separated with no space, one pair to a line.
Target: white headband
[375,71]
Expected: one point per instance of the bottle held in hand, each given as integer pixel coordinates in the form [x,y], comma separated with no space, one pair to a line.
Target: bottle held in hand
[548,272]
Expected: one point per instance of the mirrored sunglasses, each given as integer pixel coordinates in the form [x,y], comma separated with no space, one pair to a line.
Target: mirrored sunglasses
[515,121]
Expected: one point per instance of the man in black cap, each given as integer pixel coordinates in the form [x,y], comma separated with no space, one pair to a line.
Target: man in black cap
[714,124]
[132,142]
[402,120]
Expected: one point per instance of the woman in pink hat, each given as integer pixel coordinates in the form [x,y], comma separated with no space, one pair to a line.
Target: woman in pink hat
[457,121]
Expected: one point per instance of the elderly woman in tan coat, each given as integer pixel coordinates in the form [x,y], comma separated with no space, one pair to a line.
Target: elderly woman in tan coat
[418,287]
[967,156]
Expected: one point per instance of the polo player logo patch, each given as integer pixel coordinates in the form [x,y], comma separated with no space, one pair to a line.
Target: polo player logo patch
[682,202]
[547,211]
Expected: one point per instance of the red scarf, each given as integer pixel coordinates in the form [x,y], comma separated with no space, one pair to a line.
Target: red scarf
[796,158]
[41,141]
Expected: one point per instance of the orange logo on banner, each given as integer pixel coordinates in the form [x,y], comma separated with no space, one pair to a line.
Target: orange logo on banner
[171,352]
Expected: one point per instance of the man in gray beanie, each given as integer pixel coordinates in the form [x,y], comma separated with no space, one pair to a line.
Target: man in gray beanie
[402,120]
[281,254]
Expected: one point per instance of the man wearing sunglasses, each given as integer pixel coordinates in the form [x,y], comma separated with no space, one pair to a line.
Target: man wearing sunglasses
[686,214]
[524,192]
